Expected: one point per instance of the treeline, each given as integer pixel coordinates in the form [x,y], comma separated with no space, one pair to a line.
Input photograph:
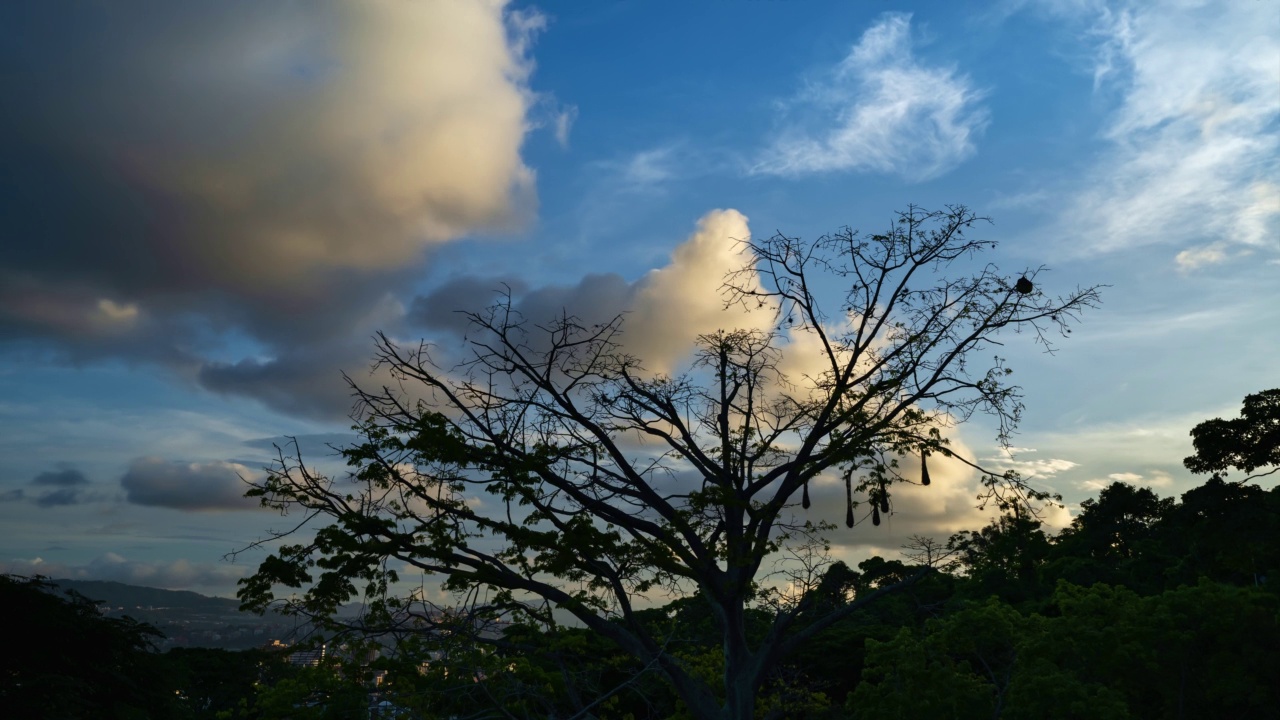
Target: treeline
[1145,607]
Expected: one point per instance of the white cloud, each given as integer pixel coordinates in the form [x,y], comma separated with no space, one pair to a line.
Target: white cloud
[1007,459]
[1197,257]
[563,123]
[1153,479]
[1193,141]
[881,110]
[675,304]
[647,168]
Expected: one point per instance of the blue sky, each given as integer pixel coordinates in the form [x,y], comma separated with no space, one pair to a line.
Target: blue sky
[208,209]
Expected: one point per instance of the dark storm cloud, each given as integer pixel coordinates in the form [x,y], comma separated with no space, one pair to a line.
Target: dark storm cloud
[305,382]
[57,498]
[445,307]
[69,487]
[188,486]
[65,477]
[596,298]
[173,174]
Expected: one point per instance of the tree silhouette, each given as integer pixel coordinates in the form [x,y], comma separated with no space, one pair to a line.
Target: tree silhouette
[80,663]
[550,473]
[1246,443]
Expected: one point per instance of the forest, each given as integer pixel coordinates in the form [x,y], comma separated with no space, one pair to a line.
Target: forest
[1144,607]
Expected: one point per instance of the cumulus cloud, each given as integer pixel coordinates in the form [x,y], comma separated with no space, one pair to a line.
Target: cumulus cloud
[667,308]
[186,170]
[1193,149]
[675,304]
[946,506]
[881,109]
[188,486]
[173,575]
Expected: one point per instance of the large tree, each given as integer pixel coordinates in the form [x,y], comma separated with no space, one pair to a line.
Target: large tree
[78,662]
[548,473]
[1247,443]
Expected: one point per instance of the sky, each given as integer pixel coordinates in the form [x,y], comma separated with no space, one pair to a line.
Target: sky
[208,209]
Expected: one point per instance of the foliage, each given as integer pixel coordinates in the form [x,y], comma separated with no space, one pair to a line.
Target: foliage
[77,663]
[1246,443]
[1003,558]
[1102,652]
[214,683]
[549,471]
[328,691]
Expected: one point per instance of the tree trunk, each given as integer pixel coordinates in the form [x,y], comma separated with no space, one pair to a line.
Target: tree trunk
[739,667]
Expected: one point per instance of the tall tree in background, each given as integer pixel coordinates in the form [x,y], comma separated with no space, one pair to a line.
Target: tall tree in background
[1246,443]
[550,472]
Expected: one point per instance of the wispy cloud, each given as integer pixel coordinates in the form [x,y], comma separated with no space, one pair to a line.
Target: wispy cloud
[1041,468]
[647,168]
[563,123]
[1193,142]
[880,109]
[1197,257]
[1153,478]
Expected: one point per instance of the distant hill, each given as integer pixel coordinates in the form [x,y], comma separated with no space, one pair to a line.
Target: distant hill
[115,594]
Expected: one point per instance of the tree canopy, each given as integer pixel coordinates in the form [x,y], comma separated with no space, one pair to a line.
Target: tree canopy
[548,472]
[1246,443]
[73,662]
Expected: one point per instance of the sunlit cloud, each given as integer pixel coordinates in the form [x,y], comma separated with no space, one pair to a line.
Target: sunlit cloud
[1193,258]
[269,170]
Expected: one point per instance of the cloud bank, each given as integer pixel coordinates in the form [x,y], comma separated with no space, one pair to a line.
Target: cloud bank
[173,575]
[180,173]
[880,109]
[188,486]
